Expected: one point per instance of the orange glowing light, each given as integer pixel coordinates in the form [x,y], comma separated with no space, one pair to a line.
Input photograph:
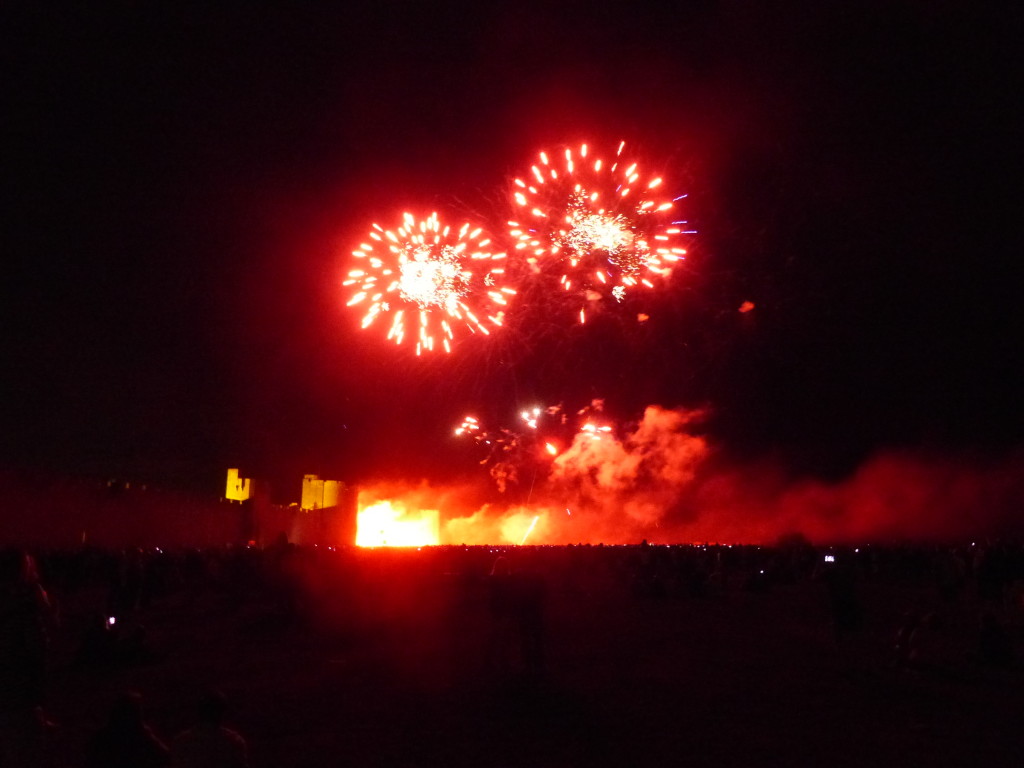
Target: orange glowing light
[388,524]
[433,277]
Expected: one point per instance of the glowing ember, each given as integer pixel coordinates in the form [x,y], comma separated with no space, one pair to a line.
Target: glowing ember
[385,525]
[597,225]
[445,278]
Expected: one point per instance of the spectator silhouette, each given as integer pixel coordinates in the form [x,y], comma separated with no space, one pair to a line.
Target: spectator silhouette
[126,741]
[840,583]
[994,646]
[920,644]
[501,640]
[25,618]
[906,637]
[28,739]
[516,602]
[209,744]
[100,641]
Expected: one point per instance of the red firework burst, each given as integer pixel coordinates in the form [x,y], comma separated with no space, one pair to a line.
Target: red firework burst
[597,224]
[434,276]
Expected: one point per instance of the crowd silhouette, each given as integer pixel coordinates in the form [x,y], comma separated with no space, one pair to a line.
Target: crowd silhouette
[493,607]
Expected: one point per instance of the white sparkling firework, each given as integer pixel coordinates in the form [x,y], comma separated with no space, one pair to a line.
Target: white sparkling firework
[597,223]
[433,276]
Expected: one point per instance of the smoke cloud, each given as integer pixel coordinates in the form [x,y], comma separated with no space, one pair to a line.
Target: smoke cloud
[661,481]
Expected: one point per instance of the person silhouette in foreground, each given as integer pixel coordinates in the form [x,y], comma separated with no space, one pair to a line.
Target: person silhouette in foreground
[501,639]
[516,602]
[126,741]
[995,648]
[26,615]
[209,744]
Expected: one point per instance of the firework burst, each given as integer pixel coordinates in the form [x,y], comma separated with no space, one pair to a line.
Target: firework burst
[432,279]
[599,225]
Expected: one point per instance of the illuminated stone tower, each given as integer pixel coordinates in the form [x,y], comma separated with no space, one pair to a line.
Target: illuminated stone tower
[238,488]
[336,502]
[319,494]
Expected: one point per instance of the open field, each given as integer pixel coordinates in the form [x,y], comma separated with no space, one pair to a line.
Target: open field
[386,658]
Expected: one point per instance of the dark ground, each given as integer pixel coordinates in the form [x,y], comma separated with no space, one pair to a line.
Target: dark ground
[384,664]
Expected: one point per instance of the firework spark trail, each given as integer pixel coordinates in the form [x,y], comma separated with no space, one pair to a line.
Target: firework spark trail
[597,224]
[529,530]
[542,437]
[503,450]
[430,276]
[506,441]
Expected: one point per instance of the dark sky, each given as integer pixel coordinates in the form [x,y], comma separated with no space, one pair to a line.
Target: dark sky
[182,188]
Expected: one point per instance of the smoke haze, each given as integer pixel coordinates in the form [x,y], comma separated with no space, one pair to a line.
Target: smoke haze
[660,480]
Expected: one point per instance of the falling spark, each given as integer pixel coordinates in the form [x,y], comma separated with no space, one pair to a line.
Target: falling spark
[432,278]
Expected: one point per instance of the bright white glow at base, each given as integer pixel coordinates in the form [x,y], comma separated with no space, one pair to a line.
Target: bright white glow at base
[385,525]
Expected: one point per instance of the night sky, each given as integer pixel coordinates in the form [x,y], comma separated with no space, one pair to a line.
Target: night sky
[183,188]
